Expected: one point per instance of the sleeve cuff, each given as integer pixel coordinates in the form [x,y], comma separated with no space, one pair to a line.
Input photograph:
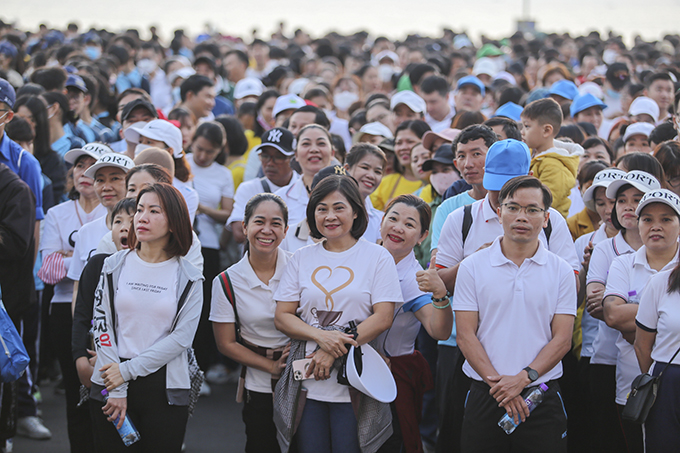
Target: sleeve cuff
[644,327]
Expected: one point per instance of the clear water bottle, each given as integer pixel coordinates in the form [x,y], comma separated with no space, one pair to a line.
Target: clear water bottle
[127,432]
[533,399]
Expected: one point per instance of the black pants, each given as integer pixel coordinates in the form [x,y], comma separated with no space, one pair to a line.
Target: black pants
[575,385]
[28,327]
[204,342]
[608,432]
[662,430]
[428,425]
[258,416]
[161,425]
[77,418]
[451,387]
[632,433]
[545,430]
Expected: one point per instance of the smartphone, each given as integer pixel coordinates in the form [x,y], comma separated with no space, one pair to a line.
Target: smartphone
[300,369]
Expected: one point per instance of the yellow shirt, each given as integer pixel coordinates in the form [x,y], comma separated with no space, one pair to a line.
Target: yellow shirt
[238,167]
[391,187]
[580,224]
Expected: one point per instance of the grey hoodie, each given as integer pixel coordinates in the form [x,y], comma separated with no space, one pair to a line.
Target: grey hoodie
[170,351]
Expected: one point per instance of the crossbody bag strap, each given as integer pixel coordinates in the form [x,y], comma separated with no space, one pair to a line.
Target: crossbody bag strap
[228,289]
[669,362]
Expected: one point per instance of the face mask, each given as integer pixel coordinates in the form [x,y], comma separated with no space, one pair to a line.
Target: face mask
[609,56]
[141,147]
[146,66]
[344,100]
[93,52]
[2,118]
[442,181]
[176,95]
[385,72]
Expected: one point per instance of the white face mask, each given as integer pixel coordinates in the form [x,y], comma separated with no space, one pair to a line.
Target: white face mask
[442,181]
[609,56]
[176,95]
[385,72]
[146,66]
[344,100]
[141,147]
[2,118]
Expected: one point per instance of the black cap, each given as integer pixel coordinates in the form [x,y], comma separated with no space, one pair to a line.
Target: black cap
[443,155]
[130,106]
[328,171]
[279,138]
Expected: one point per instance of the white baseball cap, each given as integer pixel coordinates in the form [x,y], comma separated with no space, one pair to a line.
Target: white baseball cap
[368,373]
[374,128]
[287,102]
[638,129]
[248,87]
[410,100]
[110,160]
[95,150]
[660,196]
[161,130]
[602,179]
[641,180]
[644,105]
[485,65]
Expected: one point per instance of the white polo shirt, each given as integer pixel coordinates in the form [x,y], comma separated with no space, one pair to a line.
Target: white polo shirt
[296,197]
[660,312]
[628,276]
[605,351]
[87,240]
[516,305]
[256,307]
[247,190]
[589,325]
[486,227]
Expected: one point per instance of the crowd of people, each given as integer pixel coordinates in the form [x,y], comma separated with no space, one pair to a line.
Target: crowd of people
[488,219]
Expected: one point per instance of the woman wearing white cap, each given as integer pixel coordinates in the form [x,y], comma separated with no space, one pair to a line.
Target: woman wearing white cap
[627,192]
[658,216]
[404,226]
[61,226]
[636,138]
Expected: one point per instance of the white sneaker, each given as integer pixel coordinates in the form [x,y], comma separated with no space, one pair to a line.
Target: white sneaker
[217,374]
[33,428]
[205,389]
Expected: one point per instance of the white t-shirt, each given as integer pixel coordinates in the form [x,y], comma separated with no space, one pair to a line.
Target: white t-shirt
[659,312]
[87,240]
[212,184]
[296,197]
[145,303]
[247,190]
[516,305]
[190,195]
[194,255]
[401,337]
[589,325]
[605,351]
[60,231]
[375,216]
[256,307]
[335,288]
[628,276]
[486,227]
[438,126]
[577,203]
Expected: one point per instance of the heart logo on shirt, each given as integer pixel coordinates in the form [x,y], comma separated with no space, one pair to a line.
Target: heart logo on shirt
[329,294]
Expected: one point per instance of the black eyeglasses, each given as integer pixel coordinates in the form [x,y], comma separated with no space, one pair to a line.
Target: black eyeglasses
[531,211]
[277,159]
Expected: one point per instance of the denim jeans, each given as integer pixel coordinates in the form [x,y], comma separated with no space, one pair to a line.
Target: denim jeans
[326,427]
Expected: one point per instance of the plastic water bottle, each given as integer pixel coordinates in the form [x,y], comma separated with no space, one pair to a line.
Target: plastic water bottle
[127,432]
[533,399]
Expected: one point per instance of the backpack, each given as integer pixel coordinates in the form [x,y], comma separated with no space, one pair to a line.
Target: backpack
[13,356]
[467,223]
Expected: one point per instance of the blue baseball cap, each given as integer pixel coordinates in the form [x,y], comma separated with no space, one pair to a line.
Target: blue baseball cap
[510,110]
[506,159]
[585,101]
[75,81]
[7,48]
[471,80]
[7,93]
[565,88]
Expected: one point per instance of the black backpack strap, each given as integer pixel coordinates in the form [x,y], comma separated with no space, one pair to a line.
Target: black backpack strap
[548,231]
[265,185]
[467,221]
[109,278]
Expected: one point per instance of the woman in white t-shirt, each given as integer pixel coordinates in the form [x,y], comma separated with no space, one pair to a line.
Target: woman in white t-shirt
[365,163]
[61,226]
[325,286]
[659,226]
[147,307]
[404,226]
[251,305]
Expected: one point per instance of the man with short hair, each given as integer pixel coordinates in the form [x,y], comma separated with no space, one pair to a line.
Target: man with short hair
[236,63]
[206,66]
[435,91]
[469,94]
[406,106]
[659,86]
[515,282]
[198,96]
[137,112]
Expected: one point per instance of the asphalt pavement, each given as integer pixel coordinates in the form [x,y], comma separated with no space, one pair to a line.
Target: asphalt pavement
[215,427]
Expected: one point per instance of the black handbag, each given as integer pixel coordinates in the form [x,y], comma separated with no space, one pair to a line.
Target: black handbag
[642,395]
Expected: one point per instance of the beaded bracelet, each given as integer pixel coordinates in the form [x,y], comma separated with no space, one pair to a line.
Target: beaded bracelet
[448,304]
[442,299]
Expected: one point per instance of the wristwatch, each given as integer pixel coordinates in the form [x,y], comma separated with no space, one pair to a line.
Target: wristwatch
[533,374]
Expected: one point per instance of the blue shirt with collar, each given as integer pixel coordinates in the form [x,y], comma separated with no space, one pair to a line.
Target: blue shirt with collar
[26,166]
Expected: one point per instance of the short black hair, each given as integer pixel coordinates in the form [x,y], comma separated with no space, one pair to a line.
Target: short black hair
[350,190]
[129,205]
[418,71]
[574,132]
[663,132]
[52,79]
[321,119]
[237,142]
[475,132]
[358,151]
[194,84]
[511,94]
[589,170]
[591,142]
[435,83]
[525,182]
[545,111]
[241,55]
[509,126]
[654,76]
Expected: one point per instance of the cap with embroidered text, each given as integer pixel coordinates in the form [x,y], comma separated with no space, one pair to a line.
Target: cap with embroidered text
[660,196]
[602,179]
[110,160]
[94,150]
[7,93]
[641,180]
[278,138]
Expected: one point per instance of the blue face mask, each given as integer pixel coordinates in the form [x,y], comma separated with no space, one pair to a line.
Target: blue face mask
[93,52]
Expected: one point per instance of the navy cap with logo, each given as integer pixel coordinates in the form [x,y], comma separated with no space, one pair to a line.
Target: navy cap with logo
[130,106]
[328,171]
[279,138]
[7,93]
[77,82]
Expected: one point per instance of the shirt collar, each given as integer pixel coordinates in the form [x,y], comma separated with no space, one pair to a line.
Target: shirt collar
[298,191]
[488,213]
[641,259]
[620,245]
[251,277]
[497,257]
